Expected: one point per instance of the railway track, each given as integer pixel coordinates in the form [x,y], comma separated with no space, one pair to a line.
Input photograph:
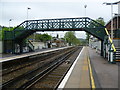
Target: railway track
[26,80]
[29,64]
[52,79]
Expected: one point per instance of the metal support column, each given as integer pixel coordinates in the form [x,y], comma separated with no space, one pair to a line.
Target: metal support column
[102,48]
[4,48]
[13,47]
[13,42]
[111,55]
[21,47]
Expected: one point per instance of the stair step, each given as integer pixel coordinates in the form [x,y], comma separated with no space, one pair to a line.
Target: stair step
[117,54]
[117,57]
[118,60]
[117,47]
[117,50]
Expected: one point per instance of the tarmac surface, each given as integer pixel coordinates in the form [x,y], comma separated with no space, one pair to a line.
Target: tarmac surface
[105,73]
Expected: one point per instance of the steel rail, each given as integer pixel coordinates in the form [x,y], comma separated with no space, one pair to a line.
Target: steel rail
[33,62]
[10,82]
[46,71]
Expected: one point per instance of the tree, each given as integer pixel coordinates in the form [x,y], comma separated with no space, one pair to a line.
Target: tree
[44,37]
[87,37]
[101,20]
[3,29]
[41,37]
[71,38]
[1,35]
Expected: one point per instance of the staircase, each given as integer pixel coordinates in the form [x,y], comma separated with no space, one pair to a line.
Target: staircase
[30,46]
[117,54]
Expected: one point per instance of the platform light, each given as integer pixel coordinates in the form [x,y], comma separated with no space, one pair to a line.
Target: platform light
[85,6]
[27,11]
[9,23]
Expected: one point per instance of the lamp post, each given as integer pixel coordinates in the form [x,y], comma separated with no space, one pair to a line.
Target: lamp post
[27,11]
[85,6]
[111,16]
[9,23]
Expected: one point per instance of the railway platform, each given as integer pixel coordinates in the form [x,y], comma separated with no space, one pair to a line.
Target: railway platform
[8,57]
[90,70]
[11,55]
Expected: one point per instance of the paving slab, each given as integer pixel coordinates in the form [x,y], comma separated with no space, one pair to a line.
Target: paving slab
[79,77]
[105,73]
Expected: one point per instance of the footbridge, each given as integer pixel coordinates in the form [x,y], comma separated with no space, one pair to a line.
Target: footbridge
[22,31]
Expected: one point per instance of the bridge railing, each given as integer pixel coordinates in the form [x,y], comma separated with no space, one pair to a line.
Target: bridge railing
[58,24]
[62,24]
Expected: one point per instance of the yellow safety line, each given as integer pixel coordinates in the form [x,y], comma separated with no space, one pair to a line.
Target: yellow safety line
[91,75]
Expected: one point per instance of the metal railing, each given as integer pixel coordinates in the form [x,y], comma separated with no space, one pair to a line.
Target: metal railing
[111,48]
[110,40]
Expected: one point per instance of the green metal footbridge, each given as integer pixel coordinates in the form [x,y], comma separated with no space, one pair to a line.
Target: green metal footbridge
[22,31]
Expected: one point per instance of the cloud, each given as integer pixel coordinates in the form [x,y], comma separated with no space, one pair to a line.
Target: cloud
[41,0]
[45,9]
[86,1]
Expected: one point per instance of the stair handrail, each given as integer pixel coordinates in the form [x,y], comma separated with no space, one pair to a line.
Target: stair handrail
[109,38]
[30,44]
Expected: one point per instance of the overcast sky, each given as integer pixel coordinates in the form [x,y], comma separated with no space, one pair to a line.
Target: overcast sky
[42,9]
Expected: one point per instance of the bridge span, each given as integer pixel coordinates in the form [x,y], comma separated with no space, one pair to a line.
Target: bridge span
[26,28]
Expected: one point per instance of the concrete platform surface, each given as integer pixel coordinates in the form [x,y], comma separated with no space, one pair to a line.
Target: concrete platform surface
[91,70]
[105,73]
[79,77]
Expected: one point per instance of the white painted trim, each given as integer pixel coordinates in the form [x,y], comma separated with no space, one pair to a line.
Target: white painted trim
[64,81]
